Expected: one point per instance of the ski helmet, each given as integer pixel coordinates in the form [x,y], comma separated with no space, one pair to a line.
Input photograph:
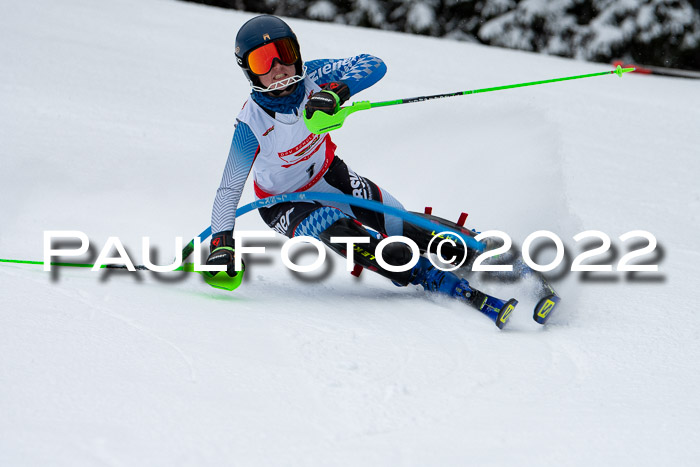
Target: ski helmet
[261,31]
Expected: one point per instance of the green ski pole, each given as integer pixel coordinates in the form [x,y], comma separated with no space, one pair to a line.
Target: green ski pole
[321,122]
[189,267]
[221,281]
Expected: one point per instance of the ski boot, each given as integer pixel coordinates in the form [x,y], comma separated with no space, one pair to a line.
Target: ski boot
[447,283]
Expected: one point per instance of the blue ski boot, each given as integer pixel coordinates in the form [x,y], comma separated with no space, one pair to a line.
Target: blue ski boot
[447,283]
[433,279]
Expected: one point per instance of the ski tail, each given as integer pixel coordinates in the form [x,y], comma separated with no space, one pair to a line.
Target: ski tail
[545,307]
[548,300]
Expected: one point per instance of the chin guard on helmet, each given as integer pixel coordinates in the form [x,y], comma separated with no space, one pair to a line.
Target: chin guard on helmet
[279,85]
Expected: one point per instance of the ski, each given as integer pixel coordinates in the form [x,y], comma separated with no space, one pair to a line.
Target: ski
[544,308]
[546,296]
[548,300]
[497,310]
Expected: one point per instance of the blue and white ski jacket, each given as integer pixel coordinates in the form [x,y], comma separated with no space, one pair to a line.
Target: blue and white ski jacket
[283,155]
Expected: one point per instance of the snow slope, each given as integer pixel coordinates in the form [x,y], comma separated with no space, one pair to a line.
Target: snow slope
[116,119]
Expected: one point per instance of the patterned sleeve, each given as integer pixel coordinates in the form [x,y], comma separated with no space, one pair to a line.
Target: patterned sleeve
[244,148]
[358,72]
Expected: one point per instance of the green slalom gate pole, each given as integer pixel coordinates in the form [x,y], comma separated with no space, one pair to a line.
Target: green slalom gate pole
[321,122]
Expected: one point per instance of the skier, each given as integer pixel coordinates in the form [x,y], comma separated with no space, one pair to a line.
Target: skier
[272,140]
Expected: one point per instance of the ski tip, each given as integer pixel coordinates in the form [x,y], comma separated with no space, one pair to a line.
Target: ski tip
[545,307]
[505,312]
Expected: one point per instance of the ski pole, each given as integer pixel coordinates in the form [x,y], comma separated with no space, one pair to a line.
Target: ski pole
[188,267]
[321,122]
[224,282]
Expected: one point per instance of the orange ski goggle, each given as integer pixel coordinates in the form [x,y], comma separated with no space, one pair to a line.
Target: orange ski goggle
[260,60]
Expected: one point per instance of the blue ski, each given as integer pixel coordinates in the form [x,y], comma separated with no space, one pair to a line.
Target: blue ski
[497,310]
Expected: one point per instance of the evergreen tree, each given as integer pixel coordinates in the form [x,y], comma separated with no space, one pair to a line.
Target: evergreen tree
[651,32]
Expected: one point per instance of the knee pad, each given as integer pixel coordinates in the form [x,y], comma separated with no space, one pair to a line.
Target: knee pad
[395,254]
[422,237]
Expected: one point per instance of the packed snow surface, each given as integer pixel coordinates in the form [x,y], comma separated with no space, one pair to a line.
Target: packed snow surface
[116,120]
